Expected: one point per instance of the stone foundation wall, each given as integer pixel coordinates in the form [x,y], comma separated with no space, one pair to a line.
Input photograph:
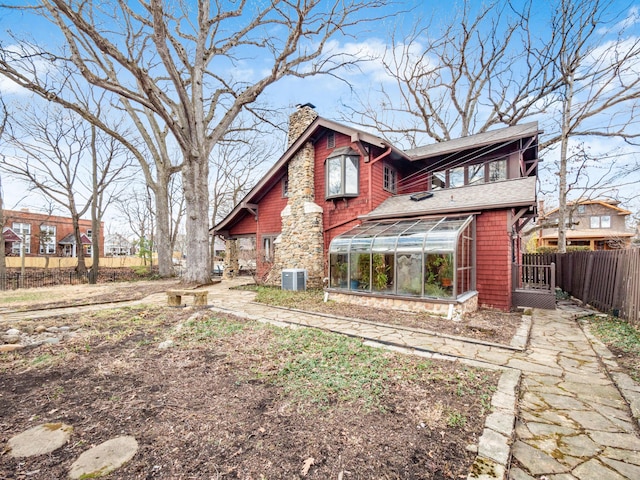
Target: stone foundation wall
[409,304]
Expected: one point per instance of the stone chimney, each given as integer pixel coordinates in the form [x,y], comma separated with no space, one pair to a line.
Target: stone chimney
[301,242]
[300,120]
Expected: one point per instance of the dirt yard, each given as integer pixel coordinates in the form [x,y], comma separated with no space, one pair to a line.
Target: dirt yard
[231,398]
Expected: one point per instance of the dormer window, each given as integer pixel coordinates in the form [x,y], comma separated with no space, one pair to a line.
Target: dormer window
[342,173]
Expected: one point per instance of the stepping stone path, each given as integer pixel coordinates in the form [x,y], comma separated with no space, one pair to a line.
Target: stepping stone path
[104,458]
[39,440]
[31,337]
[95,462]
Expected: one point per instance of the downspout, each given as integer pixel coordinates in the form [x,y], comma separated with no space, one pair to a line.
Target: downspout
[379,157]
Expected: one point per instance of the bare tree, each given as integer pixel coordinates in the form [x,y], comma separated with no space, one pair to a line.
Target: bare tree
[237,163]
[138,208]
[49,151]
[597,67]
[178,64]
[3,262]
[457,78]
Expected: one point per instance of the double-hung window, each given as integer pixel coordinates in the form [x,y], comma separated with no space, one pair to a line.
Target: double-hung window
[47,239]
[390,179]
[23,230]
[342,172]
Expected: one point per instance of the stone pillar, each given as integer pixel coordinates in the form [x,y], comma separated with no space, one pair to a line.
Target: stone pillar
[231,264]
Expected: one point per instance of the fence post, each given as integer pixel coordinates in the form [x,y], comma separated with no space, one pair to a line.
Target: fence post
[622,265]
[552,269]
[587,280]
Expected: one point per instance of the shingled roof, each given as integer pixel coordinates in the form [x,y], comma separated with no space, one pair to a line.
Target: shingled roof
[492,137]
[518,192]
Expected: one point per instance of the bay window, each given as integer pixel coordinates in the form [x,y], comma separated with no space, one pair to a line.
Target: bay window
[342,172]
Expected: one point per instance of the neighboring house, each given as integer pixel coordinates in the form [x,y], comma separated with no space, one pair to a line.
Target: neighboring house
[9,237]
[597,224]
[115,245]
[46,235]
[434,228]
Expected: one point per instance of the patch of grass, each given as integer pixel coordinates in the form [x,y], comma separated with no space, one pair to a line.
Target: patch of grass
[43,359]
[288,298]
[456,419]
[200,330]
[24,297]
[325,368]
[616,332]
[619,335]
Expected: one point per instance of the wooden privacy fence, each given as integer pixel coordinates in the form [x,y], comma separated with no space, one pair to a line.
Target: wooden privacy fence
[607,280]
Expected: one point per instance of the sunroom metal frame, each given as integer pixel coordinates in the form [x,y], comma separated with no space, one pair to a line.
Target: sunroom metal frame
[425,236]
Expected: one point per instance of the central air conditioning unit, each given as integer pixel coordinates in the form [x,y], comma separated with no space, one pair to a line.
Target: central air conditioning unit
[294,279]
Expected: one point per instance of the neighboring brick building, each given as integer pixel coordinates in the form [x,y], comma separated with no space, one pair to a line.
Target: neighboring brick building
[426,229]
[45,235]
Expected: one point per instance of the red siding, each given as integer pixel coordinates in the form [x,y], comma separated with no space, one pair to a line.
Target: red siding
[340,215]
[493,255]
[269,220]
[246,226]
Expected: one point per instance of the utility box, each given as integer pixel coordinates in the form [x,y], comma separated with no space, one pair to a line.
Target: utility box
[294,279]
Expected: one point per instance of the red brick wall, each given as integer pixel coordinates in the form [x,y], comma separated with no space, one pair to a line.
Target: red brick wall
[63,226]
[493,260]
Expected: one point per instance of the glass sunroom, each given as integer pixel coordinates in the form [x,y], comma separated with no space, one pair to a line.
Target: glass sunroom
[424,258]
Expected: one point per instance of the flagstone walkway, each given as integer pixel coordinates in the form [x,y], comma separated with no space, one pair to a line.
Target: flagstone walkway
[576,415]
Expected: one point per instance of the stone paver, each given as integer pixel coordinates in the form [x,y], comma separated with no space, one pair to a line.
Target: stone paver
[39,440]
[575,419]
[104,458]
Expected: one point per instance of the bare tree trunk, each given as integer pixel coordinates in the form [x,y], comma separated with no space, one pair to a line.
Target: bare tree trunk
[95,221]
[3,263]
[562,171]
[81,266]
[162,235]
[195,176]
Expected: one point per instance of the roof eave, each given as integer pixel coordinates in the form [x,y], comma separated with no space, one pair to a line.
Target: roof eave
[252,196]
[476,209]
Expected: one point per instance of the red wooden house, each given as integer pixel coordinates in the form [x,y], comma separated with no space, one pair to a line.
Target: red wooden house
[434,228]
